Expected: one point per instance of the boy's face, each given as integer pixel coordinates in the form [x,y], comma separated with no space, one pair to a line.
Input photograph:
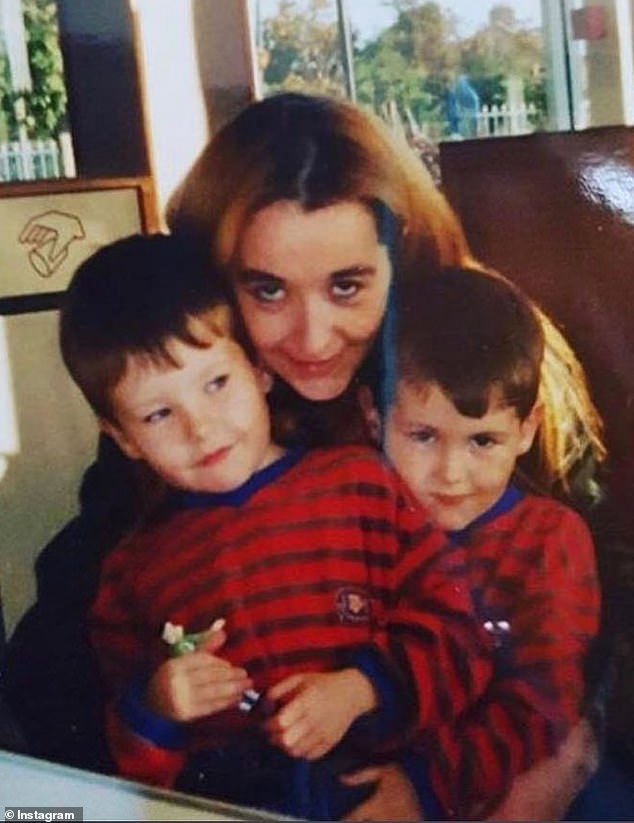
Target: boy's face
[457,466]
[203,425]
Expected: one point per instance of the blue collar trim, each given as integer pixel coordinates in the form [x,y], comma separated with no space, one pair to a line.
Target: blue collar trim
[510,497]
[236,497]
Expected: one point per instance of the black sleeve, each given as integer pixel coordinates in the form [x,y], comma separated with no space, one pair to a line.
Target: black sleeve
[49,679]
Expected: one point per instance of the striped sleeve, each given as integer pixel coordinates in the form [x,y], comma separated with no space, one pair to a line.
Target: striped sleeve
[431,635]
[138,740]
[536,697]
[114,630]
[137,757]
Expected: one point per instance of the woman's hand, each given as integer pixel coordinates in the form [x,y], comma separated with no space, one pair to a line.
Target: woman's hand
[393,798]
[318,710]
[546,791]
[196,684]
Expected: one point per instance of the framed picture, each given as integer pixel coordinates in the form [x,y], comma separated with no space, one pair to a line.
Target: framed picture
[50,227]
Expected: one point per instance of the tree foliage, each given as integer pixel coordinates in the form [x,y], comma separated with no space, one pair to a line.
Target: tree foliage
[43,109]
[502,49]
[300,49]
[413,62]
[4,84]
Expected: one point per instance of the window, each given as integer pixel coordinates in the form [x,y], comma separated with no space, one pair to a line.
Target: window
[35,141]
[298,46]
[456,69]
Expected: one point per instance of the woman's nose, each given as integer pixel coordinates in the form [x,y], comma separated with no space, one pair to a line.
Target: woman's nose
[314,330]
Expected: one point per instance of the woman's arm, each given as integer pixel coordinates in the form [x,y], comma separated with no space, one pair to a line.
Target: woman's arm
[544,792]
[547,790]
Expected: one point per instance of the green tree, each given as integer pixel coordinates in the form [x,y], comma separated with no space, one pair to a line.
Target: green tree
[300,49]
[500,49]
[417,59]
[44,107]
[4,86]
[412,62]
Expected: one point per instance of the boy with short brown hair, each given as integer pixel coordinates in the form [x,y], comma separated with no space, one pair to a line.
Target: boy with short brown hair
[463,412]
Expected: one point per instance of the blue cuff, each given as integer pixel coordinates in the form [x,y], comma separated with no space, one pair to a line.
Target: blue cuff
[415,767]
[390,717]
[165,733]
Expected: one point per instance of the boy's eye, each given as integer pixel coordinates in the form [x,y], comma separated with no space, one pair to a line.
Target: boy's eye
[216,384]
[156,416]
[422,435]
[483,441]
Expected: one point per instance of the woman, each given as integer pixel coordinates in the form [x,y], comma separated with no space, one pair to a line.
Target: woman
[285,199]
[316,214]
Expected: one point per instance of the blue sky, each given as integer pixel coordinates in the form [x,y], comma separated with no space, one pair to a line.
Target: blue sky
[369,17]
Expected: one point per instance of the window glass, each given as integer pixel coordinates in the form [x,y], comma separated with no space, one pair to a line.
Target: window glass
[453,69]
[456,69]
[35,141]
[299,46]
[599,39]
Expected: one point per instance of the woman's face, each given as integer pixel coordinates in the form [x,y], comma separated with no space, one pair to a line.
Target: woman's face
[312,288]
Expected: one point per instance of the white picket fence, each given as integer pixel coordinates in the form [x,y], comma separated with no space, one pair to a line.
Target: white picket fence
[36,159]
[489,121]
[502,121]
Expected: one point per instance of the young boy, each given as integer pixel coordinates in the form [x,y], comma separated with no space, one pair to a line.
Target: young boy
[343,607]
[463,411]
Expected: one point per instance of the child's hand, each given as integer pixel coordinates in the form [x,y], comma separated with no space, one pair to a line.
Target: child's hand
[196,684]
[393,798]
[318,710]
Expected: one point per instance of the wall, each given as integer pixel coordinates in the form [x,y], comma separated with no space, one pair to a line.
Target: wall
[56,440]
[177,123]
[196,73]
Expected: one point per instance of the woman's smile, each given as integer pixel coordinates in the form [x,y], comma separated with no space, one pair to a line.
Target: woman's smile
[317,367]
[312,289]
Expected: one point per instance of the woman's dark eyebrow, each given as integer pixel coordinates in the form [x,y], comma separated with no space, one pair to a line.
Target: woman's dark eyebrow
[354,271]
[250,275]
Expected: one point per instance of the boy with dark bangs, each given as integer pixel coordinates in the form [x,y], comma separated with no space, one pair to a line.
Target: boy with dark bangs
[463,412]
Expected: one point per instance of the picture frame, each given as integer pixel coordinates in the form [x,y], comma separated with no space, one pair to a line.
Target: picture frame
[50,227]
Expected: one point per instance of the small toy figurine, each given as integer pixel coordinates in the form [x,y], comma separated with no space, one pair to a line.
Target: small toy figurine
[180,643]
